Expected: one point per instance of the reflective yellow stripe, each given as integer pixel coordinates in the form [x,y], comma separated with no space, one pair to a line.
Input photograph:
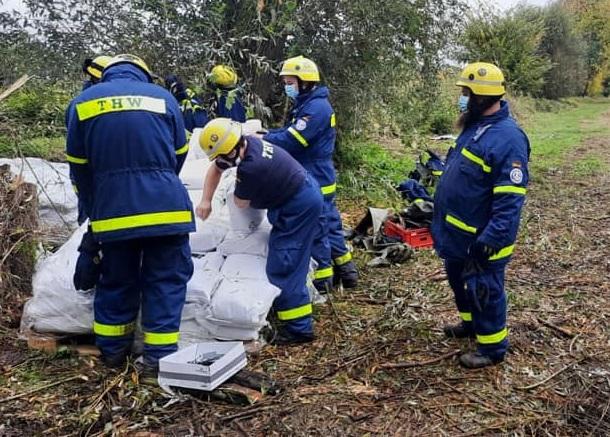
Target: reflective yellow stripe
[493,338]
[76,160]
[333,121]
[295,313]
[343,259]
[298,136]
[329,189]
[75,188]
[113,330]
[467,317]
[503,253]
[474,158]
[183,149]
[460,224]
[93,108]
[509,189]
[437,172]
[418,200]
[136,221]
[324,273]
[161,338]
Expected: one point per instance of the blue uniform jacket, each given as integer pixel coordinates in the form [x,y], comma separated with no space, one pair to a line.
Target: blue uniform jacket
[126,145]
[482,190]
[193,112]
[309,136]
[229,105]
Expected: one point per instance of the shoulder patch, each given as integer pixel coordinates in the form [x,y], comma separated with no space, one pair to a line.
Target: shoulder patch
[516,176]
[301,124]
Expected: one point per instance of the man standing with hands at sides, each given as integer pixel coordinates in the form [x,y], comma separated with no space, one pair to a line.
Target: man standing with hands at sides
[269,178]
[477,207]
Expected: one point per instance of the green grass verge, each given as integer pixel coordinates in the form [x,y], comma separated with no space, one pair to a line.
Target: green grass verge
[50,148]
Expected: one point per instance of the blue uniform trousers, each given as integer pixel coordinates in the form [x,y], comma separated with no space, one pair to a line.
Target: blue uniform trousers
[148,273]
[336,238]
[295,225]
[481,302]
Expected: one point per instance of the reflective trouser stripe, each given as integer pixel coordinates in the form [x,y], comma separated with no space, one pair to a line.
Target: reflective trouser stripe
[418,200]
[139,220]
[477,160]
[503,253]
[161,338]
[509,189]
[467,317]
[343,259]
[298,136]
[329,189]
[437,172]
[76,159]
[183,149]
[333,121]
[323,273]
[295,313]
[493,338]
[460,224]
[113,330]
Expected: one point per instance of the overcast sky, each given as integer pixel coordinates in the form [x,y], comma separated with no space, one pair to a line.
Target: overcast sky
[501,4]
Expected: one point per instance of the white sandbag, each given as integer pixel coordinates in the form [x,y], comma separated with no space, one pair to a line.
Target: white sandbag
[57,202]
[209,234]
[254,243]
[56,306]
[212,261]
[243,302]
[251,126]
[231,332]
[244,220]
[242,266]
[195,151]
[201,286]
[192,173]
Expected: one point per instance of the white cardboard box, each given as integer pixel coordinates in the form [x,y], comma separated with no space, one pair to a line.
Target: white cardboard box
[202,366]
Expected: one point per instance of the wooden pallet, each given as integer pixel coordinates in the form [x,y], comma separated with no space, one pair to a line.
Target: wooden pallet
[52,343]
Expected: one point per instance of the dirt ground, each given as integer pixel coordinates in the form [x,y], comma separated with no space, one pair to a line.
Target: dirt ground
[555,381]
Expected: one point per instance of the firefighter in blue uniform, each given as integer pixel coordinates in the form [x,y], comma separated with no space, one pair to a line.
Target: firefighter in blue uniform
[93,68]
[477,207]
[309,136]
[269,178]
[125,146]
[226,99]
[193,111]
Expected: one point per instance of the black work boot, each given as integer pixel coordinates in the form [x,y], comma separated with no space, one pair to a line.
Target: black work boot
[348,274]
[148,373]
[476,360]
[114,361]
[282,337]
[459,330]
[324,286]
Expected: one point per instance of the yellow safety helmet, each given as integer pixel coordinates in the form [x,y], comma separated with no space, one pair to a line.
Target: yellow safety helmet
[130,59]
[301,67]
[94,67]
[219,137]
[223,75]
[483,79]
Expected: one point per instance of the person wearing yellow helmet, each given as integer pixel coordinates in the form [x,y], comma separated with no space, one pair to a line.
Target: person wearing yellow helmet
[309,135]
[93,69]
[267,177]
[226,98]
[477,207]
[125,145]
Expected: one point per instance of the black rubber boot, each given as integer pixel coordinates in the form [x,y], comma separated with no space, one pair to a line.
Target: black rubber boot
[348,274]
[476,360]
[324,285]
[283,337]
[148,374]
[458,331]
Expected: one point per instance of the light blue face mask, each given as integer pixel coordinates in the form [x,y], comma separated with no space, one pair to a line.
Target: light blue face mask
[463,103]
[291,91]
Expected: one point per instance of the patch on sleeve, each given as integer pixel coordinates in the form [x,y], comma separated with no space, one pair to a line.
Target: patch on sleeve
[301,124]
[516,176]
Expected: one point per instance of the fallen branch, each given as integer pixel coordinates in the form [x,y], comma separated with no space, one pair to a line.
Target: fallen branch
[15,86]
[53,384]
[544,381]
[559,329]
[404,365]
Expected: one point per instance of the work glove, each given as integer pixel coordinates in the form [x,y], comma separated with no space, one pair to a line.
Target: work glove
[176,87]
[480,252]
[88,265]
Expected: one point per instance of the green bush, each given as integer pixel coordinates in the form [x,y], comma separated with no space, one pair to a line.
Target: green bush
[50,148]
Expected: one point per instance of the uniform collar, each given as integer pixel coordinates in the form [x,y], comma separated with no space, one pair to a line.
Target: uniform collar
[124,71]
[319,92]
